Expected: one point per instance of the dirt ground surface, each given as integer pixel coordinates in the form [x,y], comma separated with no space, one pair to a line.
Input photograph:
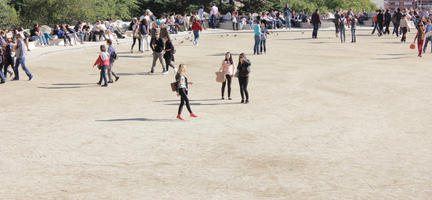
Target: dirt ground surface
[326,121]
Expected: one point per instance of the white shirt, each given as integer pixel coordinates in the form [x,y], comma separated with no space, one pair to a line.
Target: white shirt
[214,10]
[201,13]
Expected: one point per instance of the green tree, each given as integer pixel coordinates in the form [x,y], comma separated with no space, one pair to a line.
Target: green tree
[8,16]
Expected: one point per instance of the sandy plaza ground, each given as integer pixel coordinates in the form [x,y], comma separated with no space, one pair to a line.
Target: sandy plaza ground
[326,121]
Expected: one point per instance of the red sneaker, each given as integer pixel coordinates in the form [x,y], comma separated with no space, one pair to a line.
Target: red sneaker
[179,117]
[193,115]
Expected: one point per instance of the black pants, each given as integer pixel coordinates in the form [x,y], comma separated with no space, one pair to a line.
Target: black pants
[263,46]
[228,80]
[65,38]
[404,31]
[184,99]
[139,43]
[168,62]
[381,27]
[387,29]
[396,29]
[243,81]
[6,64]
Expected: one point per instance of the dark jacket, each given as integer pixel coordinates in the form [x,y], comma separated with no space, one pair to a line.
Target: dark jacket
[169,54]
[380,18]
[244,69]
[159,45]
[316,18]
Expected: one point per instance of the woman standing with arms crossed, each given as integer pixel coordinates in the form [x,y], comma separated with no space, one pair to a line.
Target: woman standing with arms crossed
[243,70]
[182,90]
[228,68]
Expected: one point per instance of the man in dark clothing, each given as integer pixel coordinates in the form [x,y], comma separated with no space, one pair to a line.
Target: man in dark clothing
[316,21]
[397,18]
[380,22]
[157,46]
[337,17]
[387,19]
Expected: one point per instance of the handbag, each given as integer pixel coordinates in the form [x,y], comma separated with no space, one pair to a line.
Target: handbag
[174,86]
[220,77]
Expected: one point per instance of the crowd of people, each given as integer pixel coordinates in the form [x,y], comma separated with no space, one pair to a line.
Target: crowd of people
[154,34]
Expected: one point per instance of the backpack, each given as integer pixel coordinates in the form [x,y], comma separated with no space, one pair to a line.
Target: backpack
[342,23]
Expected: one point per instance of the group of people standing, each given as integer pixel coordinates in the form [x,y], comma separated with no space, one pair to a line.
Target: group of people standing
[9,50]
[344,20]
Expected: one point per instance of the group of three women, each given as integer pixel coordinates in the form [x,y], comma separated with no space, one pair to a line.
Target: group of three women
[242,72]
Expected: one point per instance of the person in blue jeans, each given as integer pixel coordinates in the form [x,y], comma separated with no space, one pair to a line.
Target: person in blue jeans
[428,35]
[342,22]
[257,33]
[287,15]
[2,77]
[20,59]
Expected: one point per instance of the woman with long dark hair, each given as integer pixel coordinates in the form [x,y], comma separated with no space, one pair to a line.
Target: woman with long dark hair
[228,68]
[243,70]
[136,34]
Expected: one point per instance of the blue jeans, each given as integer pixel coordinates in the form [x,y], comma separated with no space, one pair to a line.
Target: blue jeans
[42,39]
[103,75]
[213,21]
[18,62]
[81,36]
[196,36]
[353,35]
[315,31]
[288,22]
[342,35]
[428,39]
[2,77]
[257,44]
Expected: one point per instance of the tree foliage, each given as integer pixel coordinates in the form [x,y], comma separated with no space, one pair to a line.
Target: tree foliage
[53,12]
[8,16]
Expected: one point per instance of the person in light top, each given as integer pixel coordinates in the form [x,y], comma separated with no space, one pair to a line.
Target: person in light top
[228,68]
[103,62]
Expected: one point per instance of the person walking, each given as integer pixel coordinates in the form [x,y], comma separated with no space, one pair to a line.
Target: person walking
[316,21]
[428,36]
[337,18]
[169,54]
[387,20]
[353,22]
[380,22]
[136,34]
[113,57]
[404,27]
[375,24]
[287,16]
[103,62]
[243,71]
[397,17]
[257,34]
[157,46]
[342,22]
[201,17]
[2,62]
[20,50]
[228,68]
[420,36]
[196,28]
[144,30]
[8,58]
[182,91]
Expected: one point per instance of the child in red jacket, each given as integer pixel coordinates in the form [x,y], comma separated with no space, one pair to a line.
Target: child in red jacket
[103,63]
[196,28]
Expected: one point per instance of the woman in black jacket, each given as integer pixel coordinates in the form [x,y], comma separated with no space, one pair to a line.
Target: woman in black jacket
[169,54]
[243,70]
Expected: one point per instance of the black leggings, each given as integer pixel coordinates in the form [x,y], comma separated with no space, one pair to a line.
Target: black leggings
[263,46]
[68,38]
[6,65]
[228,79]
[139,43]
[184,98]
[168,62]
[243,81]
